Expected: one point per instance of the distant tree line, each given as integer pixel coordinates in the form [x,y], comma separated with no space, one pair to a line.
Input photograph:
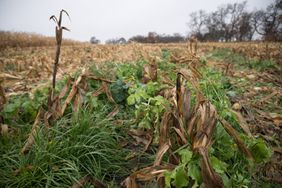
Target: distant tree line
[153,37]
[232,22]
[229,22]
[116,41]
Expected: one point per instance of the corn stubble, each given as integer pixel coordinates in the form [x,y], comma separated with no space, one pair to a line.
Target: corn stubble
[53,103]
[3,100]
[190,123]
[196,123]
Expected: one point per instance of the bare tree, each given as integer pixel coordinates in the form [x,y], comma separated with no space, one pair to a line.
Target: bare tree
[235,11]
[268,23]
[152,37]
[229,22]
[197,24]
[245,29]
[215,25]
[94,40]
[116,41]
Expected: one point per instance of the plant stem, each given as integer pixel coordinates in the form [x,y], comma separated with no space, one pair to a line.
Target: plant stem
[58,50]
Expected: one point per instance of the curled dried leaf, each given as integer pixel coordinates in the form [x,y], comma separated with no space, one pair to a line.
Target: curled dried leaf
[204,125]
[77,101]
[108,92]
[161,151]
[232,132]
[114,112]
[143,137]
[164,128]
[181,135]
[150,73]
[146,174]
[129,182]
[54,18]
[99,79]
[64,11]
[4,129]
[65,28]
[3,98]
[72,93]
[242,122]
[30,141]
[88,179]
[210,177]
[65,88]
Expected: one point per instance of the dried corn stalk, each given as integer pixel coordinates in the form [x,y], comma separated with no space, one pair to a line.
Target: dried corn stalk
[3,100]
[59,35]
[193,41]
[199,123]
[146,174]
[150,72]
[54,106]
[105,89]
[202,126]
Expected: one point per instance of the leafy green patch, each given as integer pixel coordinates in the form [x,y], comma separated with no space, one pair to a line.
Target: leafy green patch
[22,109]
[139,93]
[81,145]
[149,114]
[149,107]
[263,65]
[226,55]
[130,71]
[187,172]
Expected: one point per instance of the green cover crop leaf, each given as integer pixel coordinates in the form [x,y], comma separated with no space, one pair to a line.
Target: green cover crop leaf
[119,91]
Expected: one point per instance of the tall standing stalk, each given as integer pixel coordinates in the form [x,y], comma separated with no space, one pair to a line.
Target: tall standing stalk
[58,51]
[59,35]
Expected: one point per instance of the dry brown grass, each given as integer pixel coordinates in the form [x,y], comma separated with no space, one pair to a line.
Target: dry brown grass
[255,50]
[21,39]
[29,66]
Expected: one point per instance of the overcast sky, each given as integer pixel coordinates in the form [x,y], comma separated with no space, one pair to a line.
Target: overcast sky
[107,18]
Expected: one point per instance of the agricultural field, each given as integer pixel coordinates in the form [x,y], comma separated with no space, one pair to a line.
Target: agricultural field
[141,115]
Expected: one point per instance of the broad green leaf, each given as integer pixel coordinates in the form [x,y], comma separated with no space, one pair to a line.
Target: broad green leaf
[10,108]
[186,155]
[145,124]
[167,175]
[119,91]
[194,172]
[137,98]
[94,102]
[260,151]
[27,105]
[131,100]
[219,166]
[181,179]
[226,181]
